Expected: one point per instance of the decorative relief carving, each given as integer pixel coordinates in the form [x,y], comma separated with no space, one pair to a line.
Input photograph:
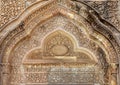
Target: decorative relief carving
[10,9]
[5,73]
[61,74]
[8,38]
[113,42]
[58,45]
[36,77]
[102,27]
[35,41]
[18,44]
[52,29]
[31,23]
[69,75]
[107,9]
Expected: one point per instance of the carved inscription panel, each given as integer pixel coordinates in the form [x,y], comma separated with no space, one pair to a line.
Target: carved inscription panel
[61,74]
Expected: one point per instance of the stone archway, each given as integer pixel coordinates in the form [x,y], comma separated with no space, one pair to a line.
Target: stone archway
[24,38]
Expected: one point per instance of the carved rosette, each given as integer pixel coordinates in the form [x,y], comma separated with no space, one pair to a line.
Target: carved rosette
[58,45]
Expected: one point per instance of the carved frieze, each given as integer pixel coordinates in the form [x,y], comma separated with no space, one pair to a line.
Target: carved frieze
[61,74]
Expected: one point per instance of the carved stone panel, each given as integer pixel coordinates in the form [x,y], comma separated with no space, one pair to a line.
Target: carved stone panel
[55,44]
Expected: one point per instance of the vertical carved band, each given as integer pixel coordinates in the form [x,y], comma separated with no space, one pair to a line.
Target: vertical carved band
[4,73]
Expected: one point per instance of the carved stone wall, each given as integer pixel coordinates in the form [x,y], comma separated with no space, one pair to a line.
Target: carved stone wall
[62,32]
[61,74]
[10,9]
[36,40]
[109,10]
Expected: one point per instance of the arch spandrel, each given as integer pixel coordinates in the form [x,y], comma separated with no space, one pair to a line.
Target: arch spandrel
[27,33]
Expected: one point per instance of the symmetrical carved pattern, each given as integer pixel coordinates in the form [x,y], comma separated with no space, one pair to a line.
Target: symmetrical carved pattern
[59,45]
[35,40]
[55,32]
[43,26]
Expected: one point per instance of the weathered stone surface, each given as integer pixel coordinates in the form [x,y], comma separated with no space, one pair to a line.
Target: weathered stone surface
[59,41]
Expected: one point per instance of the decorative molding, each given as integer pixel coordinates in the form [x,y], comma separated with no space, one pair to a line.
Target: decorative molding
[26,35]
